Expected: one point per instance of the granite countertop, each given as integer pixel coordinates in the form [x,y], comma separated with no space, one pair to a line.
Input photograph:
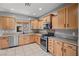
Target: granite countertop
[65,40]
[31,34]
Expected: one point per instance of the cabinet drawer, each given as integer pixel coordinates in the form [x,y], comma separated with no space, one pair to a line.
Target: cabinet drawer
[70,46]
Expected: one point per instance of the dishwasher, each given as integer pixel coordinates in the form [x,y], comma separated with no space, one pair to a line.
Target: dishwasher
[13,40]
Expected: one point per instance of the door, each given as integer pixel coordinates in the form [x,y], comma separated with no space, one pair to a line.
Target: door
[58,48]
[21,40]
[69,50]
[62,18]
[72,16]
[50,45]
[55,22]
[4,42]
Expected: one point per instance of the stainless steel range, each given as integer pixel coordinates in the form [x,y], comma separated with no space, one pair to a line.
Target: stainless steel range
[44,41]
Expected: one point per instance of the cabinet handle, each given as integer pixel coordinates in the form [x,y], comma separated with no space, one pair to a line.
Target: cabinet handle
[61,49]
[64,50]
[67,25]
[64,25]
[58,43]
[70,46]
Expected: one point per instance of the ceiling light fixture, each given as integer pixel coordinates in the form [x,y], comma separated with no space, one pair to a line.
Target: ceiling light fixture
[11,9]
[40,8]
[34,13]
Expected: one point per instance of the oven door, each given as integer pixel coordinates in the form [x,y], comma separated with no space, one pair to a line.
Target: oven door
[44,42]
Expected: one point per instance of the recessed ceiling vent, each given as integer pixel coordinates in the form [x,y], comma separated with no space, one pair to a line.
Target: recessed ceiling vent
[27,4]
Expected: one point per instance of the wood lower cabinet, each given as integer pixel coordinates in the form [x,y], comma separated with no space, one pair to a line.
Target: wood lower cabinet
[26,39]
[32,39]
[58,45]
[37,39]
[69,50]
[59,48]
[21,40]
[4,43]
[51,46]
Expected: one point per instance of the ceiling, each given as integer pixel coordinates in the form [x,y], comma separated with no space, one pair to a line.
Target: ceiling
[34,10]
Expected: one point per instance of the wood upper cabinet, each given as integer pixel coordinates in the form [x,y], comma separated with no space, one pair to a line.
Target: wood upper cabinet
[69,50]
[40,24]
[68,17]
[58,45]
[7,22]
[62,18]
[55,22]
[4,43]
[45,19]
[51,46]
[72,13]
[34,24]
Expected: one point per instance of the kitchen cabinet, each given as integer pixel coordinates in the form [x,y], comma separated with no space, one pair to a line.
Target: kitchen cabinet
[21,40]
[34,24]
[58,46]
[68,17]
[4,43]
[32,39]
[51,46]
[25,39]
[61,48]
[45,20]
[72,20]
[69,50]
[7,22]
[62,18]
[40,24]
[37,39]
[55,22]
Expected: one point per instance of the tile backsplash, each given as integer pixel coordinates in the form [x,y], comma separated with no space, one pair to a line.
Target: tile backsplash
[67,33]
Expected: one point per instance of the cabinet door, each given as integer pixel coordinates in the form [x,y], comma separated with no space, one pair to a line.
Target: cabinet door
[27,39]
[54,22]
[58,48]
[1,22]
[69,50]
[7,22]
[62,18]
[34,24]
[11,23]
[50,45]
[31,38]
[35,38]
[4,42]
[38,40]
[0,43]
[21,40]
[72,16]
[40,24]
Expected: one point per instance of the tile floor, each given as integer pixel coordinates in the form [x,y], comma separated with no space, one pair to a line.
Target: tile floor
[26,50]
